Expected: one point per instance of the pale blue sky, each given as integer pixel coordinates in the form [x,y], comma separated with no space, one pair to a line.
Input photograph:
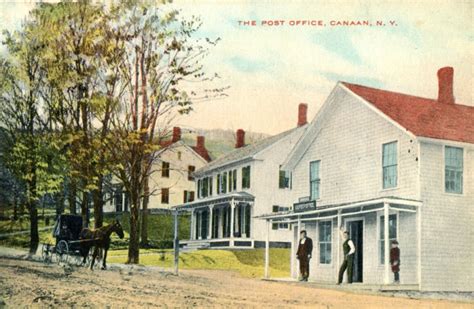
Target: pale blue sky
[272,70]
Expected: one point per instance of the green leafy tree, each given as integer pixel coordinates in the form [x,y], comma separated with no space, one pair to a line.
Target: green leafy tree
[76,43]
[30,148]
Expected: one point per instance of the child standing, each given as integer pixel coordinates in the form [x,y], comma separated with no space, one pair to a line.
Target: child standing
[395,260]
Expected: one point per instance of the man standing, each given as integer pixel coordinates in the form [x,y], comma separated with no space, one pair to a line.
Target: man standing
[349,249]
[305,248]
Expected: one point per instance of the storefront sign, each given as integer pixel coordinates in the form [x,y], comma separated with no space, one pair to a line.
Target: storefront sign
[304,206]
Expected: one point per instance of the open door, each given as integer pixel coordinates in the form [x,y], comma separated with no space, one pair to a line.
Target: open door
[356,233]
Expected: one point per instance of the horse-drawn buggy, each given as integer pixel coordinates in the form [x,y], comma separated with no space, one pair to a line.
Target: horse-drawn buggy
[73,243]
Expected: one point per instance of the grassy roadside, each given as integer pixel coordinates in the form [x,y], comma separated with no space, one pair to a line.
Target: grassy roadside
[160,231]
[248,263]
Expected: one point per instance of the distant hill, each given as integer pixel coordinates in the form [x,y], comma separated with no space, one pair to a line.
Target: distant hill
[220,142]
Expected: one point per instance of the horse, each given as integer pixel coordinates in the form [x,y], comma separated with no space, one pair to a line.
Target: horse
[99,239]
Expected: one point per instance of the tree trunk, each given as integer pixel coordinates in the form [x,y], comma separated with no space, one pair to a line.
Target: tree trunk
[98,204]
[85,210]
[144,226]
[133,246]
[33,210]
[15,209]
[34,235]
[72,197]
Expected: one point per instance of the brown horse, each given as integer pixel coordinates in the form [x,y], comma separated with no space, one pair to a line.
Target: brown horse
[99,239]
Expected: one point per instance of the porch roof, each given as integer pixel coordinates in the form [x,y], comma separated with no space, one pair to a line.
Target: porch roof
[344,209]
[216,200]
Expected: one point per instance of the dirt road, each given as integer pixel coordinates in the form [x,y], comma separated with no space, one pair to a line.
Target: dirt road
[32,284]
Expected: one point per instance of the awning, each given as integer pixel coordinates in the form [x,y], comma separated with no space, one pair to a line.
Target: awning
[216,200]
[343,209]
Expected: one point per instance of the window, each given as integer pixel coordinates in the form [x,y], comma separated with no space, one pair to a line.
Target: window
[232,180]
[205,187]
[191,169]
[117,198]
[165,196]
[389,165]
[246,177]
[179,155]
[325,242]
[453,169]
[392,234]
[209,179]
[165,169]
[199,185]
[314,180]
[222,183]
[283,180]
[280,226]
[188,196]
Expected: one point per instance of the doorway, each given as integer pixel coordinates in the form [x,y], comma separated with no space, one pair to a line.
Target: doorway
[356,233]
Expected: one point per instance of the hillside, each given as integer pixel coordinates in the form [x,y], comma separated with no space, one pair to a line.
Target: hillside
[219,142]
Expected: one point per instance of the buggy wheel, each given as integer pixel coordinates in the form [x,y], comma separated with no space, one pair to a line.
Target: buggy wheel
[46,253]
[62,252]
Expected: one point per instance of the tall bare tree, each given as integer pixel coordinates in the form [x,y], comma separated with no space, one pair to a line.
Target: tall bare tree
[162,62]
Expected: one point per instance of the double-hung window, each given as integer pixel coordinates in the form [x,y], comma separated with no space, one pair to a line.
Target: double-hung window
[191,169]
[165,169]
[389,165]
[283,180]
[232,180]
[165,196]
[392,234]
[453,169]
[246,177]
[325,242]
[314,180]
[280,226]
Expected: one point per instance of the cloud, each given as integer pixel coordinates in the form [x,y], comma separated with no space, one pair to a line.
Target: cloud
[272,69]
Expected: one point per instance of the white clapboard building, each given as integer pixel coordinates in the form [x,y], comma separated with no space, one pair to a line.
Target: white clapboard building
[171,182]
[244,183]
[384,166]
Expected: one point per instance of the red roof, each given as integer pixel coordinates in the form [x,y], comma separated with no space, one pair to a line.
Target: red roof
[421,116]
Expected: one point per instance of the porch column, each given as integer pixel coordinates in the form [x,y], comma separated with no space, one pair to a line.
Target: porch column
[123,202]
[220,227]
[209,231]
[418,247]
[338,258]
[232,210]
[191,236]
[297,236]
[267,249]
[386,244]
[237,218]
[294,247]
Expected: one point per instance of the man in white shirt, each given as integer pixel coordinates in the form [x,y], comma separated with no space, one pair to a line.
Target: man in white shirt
[349,250]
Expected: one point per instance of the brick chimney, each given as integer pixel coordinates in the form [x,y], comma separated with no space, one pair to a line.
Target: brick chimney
[302,114]
[240,142]
[176,134]
[200,148]
[445,85]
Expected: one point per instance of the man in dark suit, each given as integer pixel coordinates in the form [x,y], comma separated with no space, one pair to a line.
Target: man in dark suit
[305,249]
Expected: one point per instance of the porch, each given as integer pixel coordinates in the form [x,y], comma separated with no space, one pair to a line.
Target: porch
[220,222]
[371,224]
[351,287]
